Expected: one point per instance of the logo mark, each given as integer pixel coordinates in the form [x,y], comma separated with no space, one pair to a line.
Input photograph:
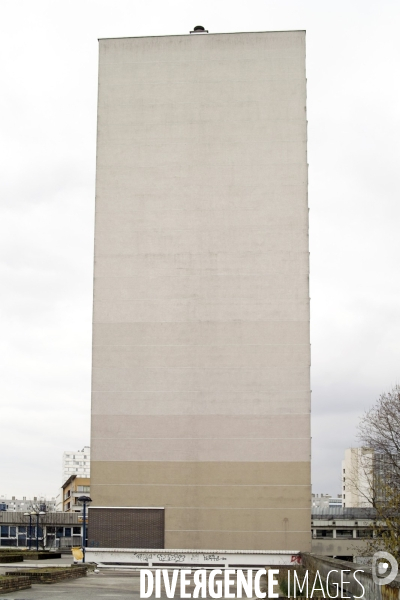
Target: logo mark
[381,573]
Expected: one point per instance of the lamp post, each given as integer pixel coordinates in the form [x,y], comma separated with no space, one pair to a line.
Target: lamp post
[30,528]
[84,500]
[38,514]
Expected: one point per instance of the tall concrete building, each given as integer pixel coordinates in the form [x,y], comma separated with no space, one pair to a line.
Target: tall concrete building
[201,349]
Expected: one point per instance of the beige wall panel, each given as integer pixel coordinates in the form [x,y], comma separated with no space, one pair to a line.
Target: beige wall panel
[180,287]
[224,380]
[191,241]
[239,496]
[205,357]
[116,131]
[243,519]
[239,540]
[199,403]
[196,71]
[201,333]
[200,473]
[192,310]
[281,198]
[201,426]
[172,109]
[249,263]
[284,45]
[184,154]
[156,178]
[238,113]
[213,219]
[189,449]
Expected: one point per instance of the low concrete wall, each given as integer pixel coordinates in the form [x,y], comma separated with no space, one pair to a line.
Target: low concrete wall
[352,589]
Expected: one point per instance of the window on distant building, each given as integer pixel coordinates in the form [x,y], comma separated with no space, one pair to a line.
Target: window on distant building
[324,533]
[364,533]
[344,533]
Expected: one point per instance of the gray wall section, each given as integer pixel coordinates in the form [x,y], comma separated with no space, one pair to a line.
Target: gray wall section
[201,350]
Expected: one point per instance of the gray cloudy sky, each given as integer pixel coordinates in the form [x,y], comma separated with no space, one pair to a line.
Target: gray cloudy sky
[48,96]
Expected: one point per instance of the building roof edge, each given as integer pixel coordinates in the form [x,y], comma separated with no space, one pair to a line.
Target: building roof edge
[134,37]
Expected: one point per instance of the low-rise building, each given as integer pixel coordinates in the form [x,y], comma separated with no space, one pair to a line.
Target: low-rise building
[73,488]
[53,530]
[341,532]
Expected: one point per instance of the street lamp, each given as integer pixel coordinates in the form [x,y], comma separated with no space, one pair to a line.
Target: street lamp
[84,500]
[38,514]
[30,528]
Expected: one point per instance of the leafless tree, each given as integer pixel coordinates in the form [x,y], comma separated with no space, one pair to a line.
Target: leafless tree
[379,429]
[379,434]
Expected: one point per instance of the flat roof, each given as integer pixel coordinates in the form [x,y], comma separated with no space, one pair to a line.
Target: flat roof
[131,37]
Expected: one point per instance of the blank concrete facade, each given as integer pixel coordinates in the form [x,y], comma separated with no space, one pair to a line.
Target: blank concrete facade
[201,349]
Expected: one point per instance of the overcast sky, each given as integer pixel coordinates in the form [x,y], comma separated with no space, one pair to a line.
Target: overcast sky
[48,99]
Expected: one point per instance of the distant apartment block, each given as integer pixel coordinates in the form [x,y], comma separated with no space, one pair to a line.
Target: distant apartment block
[74,487]
[366,476]
[76,462]
[326,501]
[342,532]
[27,504]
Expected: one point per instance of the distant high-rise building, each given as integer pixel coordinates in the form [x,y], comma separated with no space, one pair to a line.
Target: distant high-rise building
[357,477]
[367,476]
[76,462]
[201,342]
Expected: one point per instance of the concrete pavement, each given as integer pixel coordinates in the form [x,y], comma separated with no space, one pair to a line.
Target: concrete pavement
[121,586]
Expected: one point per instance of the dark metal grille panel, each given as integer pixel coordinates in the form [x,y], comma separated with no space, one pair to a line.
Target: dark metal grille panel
[126,528]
